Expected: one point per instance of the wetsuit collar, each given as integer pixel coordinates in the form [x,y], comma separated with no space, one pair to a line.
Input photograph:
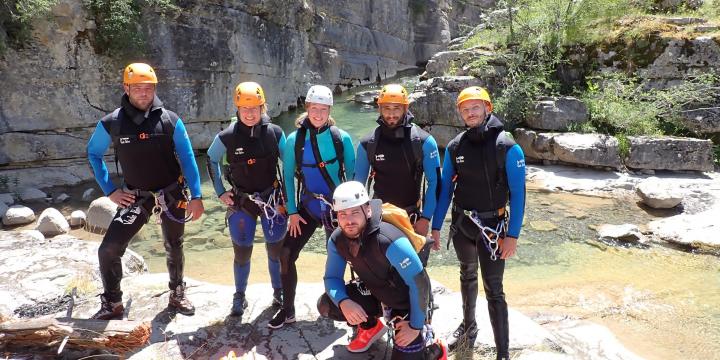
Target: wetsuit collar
[135,114]
[306,124]
[397,133]
[252,131]
[491,124]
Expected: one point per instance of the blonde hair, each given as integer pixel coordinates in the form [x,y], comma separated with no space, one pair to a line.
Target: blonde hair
[301,117]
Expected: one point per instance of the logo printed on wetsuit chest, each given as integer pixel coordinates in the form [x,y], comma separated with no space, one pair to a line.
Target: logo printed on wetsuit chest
[124,140]
[239,151]
[380,157]
[460,159]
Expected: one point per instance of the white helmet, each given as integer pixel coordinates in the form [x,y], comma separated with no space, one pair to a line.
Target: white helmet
[320,95]
[349,194]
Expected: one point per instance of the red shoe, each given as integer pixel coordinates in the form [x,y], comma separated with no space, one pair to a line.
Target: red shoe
[437,351]
[365,338]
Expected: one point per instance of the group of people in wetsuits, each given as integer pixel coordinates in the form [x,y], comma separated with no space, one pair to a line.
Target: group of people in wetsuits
[315,178]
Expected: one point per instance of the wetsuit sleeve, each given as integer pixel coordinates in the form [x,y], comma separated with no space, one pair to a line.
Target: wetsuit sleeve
[215,154]
[362,166]
[97,146]
[431,168]
[515,169]
[349,155]
[334,274]
[288,160]
[184,152]
[446,190]
[404,259]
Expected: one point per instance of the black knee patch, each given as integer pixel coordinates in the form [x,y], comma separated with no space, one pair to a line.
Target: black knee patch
[468,271]
[242,254]
[274,250]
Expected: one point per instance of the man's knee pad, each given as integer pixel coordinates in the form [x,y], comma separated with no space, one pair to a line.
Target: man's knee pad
[242,254]
[242,228]
[108,252]
[468,271]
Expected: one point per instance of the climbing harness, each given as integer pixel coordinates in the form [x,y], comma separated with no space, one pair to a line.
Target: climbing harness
[272,208]
[161,202]
[490,235]
[327,217]
[390,322]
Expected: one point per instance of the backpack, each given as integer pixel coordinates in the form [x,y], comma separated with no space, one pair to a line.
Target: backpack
[399,218]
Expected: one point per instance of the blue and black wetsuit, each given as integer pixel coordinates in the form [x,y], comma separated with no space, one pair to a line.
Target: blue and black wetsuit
[483,171]
[396,172]
[154,152]
[315,195]
[387,264]
[248,157]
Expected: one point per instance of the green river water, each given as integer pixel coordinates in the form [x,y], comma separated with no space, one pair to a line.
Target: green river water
[660,302]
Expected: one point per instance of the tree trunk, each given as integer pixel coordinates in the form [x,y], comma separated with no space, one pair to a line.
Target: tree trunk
[113,335]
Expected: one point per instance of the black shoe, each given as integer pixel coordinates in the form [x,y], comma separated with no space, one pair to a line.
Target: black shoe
[436,351]
[462,336]
[277,297]
[109,310]
[281,318]
[180,302]
[239,304]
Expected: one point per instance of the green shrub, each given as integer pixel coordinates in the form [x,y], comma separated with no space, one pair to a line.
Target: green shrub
[16,17]
[621,105]
[119,32]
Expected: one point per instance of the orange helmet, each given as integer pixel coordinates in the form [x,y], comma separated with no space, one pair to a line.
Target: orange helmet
[393,94]
[249,94]
[475,93]
[139,73]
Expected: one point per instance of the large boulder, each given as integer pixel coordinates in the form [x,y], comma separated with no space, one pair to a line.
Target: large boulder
[7,199]
[697,231]
[366,97]
[587,149]
[656,194]
[32,194]
[702,121]
[443,133]
[682,56]
[625,233]
[557,113]
[100,214]
[452,84]
[670,153]
[61,198]
[51,222]
[435,106]
[433,101]
[88,194]
[78,218]
[535,145]
[18,215]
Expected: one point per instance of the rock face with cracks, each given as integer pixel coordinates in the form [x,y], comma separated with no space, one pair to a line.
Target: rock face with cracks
[201,52]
